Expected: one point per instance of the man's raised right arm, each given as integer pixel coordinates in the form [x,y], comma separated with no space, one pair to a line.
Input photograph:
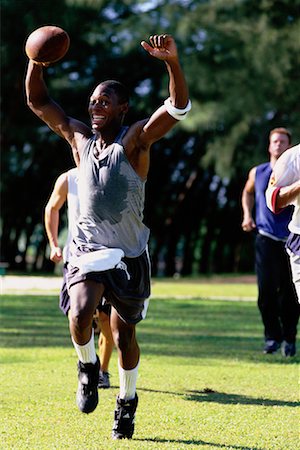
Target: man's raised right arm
[50,112]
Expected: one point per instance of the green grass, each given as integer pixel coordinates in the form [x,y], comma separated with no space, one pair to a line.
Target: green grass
[201,288]
[203,381]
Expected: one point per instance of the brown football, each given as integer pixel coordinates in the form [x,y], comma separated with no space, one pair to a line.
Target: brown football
[47,44]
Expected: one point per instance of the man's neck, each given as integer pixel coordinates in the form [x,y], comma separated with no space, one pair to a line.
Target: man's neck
[105,138]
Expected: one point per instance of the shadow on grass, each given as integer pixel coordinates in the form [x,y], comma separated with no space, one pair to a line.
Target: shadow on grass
[32,321]
[190,328]
[197,442]
[210,396]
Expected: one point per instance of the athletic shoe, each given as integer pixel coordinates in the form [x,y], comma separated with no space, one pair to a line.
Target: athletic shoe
[271,346]
[87,392]
[124,418]
[288,349]
[103,381]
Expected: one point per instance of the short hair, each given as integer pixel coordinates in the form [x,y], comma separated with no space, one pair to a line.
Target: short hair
[281,130]
[118,88]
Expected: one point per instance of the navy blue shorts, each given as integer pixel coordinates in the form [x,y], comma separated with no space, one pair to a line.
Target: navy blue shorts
[127,288]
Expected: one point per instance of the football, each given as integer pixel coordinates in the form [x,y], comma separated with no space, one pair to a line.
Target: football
[47,44]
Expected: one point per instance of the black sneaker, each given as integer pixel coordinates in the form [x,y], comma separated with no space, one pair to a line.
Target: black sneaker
[288,349]
[271,346]
[103,381]
[124,418]
[87,392]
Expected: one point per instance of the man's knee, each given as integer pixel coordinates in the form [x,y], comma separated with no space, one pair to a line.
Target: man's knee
[125,338]
[80,318]
[84,300]
[81,315]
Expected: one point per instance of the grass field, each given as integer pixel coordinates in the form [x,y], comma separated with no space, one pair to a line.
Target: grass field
[203,381]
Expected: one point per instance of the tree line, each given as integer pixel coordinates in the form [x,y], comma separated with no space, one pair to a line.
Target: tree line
[241,60]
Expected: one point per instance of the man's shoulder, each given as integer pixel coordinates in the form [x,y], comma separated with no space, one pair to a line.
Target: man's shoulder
[263,170]
[259,167]
[263,166]
[72,173]
[85,143]
[132,134]
[137,126]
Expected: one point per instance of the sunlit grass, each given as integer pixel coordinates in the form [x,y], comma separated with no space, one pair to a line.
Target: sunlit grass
[203,381]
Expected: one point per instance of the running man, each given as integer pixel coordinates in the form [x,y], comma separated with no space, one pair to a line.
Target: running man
[109,250]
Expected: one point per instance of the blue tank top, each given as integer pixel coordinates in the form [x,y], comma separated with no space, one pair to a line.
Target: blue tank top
[111,199]
[268,223]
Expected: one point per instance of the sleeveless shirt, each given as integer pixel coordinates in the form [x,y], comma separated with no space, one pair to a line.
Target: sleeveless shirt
[269,224]
[111,198]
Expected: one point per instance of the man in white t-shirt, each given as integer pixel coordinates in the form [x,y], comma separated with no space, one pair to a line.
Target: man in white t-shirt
[66,190]
[284,190]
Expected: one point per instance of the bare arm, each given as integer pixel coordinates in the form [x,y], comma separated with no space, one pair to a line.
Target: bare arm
[143,134]
[51,113]
[248,223]
[279,197]
[163,47]
[284,184]
[51,217]
[288,194]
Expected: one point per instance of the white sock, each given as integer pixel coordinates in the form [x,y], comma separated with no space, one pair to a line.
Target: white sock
[86,353]
[128,379]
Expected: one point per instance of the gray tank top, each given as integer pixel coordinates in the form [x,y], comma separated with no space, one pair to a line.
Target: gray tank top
[111,198]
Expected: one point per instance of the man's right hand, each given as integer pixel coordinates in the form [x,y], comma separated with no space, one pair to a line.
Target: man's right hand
[248,224]
[56,254]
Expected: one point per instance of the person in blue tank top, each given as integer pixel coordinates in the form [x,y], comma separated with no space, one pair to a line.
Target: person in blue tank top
[108,254]
[277,300]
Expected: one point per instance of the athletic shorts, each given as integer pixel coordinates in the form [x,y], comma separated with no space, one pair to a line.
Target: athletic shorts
[127,288]
[64,297]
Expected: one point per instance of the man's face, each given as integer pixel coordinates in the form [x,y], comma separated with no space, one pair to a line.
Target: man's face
[104,107]
[279,143]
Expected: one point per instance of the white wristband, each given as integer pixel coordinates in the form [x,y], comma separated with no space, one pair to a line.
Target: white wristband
[177,113]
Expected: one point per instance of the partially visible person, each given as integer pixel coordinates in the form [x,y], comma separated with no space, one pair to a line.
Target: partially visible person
[284,190]
[105,341]
[66,190]
[277,300]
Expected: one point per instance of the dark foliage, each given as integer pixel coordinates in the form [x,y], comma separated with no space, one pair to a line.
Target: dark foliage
[241,60]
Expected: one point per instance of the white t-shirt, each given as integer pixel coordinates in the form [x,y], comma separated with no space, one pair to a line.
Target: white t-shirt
[73,209]
[285,172]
